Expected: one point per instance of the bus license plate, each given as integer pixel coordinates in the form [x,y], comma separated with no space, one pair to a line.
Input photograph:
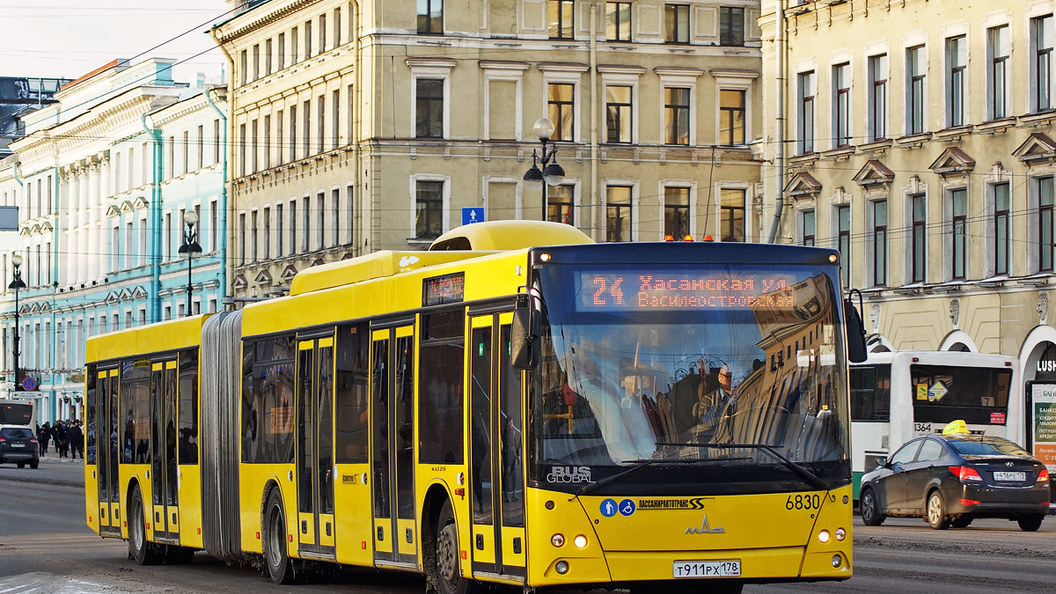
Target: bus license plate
[1017,477]
[699,569]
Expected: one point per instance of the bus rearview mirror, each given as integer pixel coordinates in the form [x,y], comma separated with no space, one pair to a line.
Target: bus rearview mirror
[524,337]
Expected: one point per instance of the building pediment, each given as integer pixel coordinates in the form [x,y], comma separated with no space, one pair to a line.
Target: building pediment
[874,173]
[139,293]
[953,162]
[263,277]
[112,298]
[803,185]
[1038,148]
[240,282]
[288,273]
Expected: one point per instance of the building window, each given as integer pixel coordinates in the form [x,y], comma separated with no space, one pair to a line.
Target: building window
[320,132]
[293,45]
[243,66]
[279,124]
[241,238]
[267,142]
[877,97]
[999,47]
[280,229]
[268,51]
[843,241]
[266,243]
[806,113]
[560,103]
[559,202]
[676,212]
[731,26]
[242,150]
[618,114]
[431,16]
[429,108]
[280,51]
[958,233]
[560,18]
[918,247]
[335,116]
[307,39]
[1001,218]
[306,128]
[841,105]
[1044,190]
[618,213]
[807,223]
[676,115]
[429,208]
[676,23]
[322,33]
[335,216]
[618,21]
[956,66]
[293,226]
[731,215]
[320,220]
[293,133]
[254,147]
[1041,62]
[916,72]
[731,117]
[306,219]
[879,211]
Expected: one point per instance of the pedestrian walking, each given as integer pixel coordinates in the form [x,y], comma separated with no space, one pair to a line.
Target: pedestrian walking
[59,433]
[43,436]
[75,437]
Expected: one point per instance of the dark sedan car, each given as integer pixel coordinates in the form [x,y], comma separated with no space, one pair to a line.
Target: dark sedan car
[953,479]
[18,445]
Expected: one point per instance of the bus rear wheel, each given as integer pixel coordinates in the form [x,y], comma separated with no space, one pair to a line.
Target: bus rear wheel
[143,552]
[444,571]
[280,569]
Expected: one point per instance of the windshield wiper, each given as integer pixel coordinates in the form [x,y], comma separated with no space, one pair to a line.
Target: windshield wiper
[587,488]
[803,472]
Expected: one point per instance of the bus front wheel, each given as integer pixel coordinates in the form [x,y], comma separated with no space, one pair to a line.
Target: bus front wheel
[139,549]
[444,571]
[280,569]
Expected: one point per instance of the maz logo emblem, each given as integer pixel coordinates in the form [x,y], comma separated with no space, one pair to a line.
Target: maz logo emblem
[705,528]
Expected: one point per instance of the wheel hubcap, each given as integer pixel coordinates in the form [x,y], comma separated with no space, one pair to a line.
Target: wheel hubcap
[274,540]
[445,553]
[867,505]
[934,510]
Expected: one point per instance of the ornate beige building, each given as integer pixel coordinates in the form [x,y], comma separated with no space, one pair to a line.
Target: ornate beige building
[370,125]
[917,137]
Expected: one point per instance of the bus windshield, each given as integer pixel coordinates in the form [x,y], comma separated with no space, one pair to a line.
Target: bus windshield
[715,378]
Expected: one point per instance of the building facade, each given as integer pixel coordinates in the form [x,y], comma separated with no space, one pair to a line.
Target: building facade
[102,180]
[917,138]
[361,126]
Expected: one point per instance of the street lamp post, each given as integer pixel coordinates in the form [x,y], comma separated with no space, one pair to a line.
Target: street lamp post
[16,284]
[190,247]
[551,173]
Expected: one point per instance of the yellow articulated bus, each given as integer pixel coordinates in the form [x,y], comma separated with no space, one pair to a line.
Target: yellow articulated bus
[570,414]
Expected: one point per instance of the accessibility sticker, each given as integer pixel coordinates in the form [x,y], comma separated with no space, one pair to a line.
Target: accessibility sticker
[627,507]
[608,508]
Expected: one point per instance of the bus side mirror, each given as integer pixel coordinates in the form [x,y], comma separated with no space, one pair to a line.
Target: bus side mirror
[856,350]
[524,336]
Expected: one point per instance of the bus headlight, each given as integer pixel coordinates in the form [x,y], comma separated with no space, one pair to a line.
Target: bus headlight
[562,567]
[580,541]
[558,540]
[823,536]
[837,561]
[841,534]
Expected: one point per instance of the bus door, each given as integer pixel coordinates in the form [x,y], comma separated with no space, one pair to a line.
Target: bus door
[315,446]
[163,479]
[496,471]
[392,445]
[108,452]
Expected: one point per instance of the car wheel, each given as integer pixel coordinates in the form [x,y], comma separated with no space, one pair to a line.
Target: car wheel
[936,512]
[1030,523]
[280,569]
[34,464]
[870,508]
[144,552]
[961,522]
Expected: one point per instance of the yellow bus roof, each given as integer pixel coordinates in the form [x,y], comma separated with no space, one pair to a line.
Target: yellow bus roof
[169,335]
[509,235]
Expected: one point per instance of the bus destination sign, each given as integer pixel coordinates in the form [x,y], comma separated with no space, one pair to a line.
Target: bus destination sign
[604,291]
[438,290]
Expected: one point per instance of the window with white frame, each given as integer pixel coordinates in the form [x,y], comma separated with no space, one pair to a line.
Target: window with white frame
[618,213]
[806,112]
[1041,42]
[958,233]
[807,227]
[918,258]
[878,97]
[732,116]
[428,208]
[1043,191]
[1001,216]
[999,47]
[878,241]
[560,204]
[841,105]
[731,214]
[956,74]
[560,108]
[843,240]
[429,108]
[619,114]
[676,115]
[676,212]
[916,88]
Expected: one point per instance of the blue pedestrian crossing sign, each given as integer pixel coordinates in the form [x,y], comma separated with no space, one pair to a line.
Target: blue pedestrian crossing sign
[472,214]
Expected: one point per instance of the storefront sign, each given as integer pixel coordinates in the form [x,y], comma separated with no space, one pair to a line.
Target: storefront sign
[1043,425]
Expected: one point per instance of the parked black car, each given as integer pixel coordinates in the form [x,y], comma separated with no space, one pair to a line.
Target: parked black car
[18,445]
[953,479]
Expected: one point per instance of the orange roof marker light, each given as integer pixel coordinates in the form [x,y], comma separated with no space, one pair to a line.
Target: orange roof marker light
[709,238]
[669,238]
[687,237]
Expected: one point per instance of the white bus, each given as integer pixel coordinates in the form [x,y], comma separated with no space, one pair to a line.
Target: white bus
[18,412]
[896,396]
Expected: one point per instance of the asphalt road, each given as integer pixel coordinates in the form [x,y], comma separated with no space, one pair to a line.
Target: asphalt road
[45,547]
